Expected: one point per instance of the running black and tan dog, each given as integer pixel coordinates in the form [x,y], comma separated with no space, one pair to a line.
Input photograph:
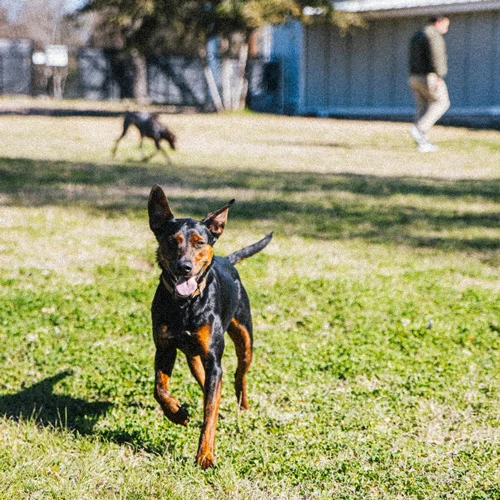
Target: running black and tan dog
[149,126]
[199,298]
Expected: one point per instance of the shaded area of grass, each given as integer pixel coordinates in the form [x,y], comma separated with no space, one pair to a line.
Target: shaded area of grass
[315,204]
[39,176]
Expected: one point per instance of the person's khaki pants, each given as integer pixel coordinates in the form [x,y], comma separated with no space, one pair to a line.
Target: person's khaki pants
[431,98]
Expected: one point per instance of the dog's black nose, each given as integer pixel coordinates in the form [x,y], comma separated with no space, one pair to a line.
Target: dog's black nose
[184,267]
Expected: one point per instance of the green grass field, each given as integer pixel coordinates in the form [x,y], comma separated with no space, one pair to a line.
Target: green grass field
[376,368]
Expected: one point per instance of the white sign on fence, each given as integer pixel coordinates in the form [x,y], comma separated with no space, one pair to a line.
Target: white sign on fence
[38,58]
[56,55]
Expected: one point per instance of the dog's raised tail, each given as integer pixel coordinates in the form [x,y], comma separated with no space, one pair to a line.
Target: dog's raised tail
[250,250]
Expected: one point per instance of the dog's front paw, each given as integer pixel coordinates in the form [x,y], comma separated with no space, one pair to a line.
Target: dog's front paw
[205,461]
[181,416]
[176,414]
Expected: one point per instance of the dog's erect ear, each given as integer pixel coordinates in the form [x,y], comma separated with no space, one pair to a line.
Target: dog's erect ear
[215,221]
[158,209]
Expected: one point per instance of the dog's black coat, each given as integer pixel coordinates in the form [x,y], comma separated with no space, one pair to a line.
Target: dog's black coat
[198,299]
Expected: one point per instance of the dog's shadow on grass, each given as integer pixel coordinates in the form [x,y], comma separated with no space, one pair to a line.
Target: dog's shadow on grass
[39,403]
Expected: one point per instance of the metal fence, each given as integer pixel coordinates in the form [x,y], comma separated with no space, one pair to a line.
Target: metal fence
[15,67]
[103,74]
[175,80]
[172,80]
[265,86]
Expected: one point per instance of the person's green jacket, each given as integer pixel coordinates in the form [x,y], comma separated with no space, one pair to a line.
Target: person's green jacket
[428,53]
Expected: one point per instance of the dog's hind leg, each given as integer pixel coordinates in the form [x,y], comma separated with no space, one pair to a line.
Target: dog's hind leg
[161,150]
[241,335]
[154,153]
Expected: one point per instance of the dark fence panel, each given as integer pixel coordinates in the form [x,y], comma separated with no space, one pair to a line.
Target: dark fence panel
[177,81]
[15,67]
[104,74]
[174,80]
[265,86]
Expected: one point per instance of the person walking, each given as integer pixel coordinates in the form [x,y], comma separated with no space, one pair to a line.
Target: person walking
[428,68]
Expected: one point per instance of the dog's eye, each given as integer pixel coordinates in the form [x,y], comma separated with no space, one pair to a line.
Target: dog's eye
[200,244]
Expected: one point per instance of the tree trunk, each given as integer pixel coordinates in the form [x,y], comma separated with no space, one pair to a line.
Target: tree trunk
[140,72]
[242,82]
[58,82]
[227,80]
[212,88]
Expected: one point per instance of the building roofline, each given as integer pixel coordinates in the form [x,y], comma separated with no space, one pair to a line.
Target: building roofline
[405,8]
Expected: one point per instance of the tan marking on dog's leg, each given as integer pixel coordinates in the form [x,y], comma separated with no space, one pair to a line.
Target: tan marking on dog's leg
[243,345]
[197,369]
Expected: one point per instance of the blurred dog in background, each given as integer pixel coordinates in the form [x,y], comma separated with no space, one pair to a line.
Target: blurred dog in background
[148,125]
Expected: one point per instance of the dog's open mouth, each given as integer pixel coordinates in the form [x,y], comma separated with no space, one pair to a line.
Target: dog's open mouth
[186,286]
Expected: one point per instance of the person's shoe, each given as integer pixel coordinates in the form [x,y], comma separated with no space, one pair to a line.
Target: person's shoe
[427,147]
[418,136]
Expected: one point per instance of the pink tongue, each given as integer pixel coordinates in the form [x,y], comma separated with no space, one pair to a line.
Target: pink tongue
[186,287]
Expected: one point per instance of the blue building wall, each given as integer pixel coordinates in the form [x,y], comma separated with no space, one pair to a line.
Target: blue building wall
[365,72]
[287,46]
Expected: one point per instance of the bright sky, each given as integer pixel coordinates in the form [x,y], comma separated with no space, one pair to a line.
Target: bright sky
[14,6]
